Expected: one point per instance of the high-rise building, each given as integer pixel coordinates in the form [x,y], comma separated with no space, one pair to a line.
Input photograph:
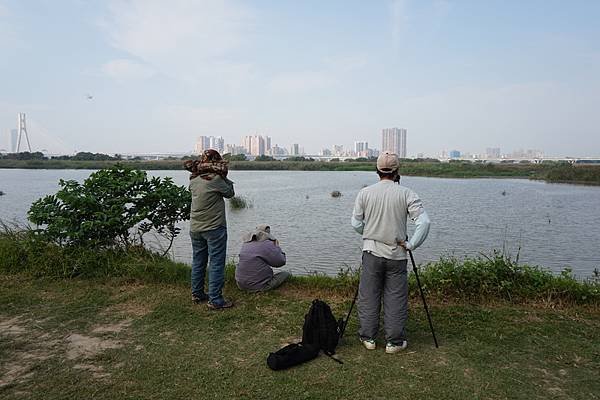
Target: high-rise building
[209,142]
[203,143]
[234,149]
[360,147]
[247,143]
[454,154]
[295,149]
[256,145]
[216,143]
[338,150]
[393,140]
[492,153]
[14,135]
[277,151]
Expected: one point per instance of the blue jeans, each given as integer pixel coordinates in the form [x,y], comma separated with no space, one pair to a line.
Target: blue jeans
[209,245]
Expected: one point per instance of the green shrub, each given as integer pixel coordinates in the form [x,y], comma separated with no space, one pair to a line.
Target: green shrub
[499,276]
[114,207]
[238,202]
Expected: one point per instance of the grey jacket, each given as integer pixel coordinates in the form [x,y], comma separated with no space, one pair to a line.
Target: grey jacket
[256,259]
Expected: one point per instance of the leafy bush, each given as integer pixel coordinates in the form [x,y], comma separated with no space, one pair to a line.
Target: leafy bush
[498,276]
[264,158]
[234,157]
[113,207]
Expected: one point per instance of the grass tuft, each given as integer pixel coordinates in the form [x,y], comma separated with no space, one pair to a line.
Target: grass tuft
[238,203]
[499,276]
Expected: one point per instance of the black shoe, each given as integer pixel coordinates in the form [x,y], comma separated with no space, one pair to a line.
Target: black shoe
[220,306]
[199,299]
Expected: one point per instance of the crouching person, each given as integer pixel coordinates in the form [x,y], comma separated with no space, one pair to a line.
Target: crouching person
[260,253]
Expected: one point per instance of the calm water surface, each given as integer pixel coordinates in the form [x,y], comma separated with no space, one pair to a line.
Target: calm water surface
[554,225]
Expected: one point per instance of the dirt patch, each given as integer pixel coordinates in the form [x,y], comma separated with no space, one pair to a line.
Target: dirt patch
[290,340]
[14,372]
[13,326]
[81,346]
[22,363]
[113,328]
[130,309]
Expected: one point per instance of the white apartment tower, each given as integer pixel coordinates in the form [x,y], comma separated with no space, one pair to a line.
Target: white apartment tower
[256,145]
[295,149]
[360,148]
[394,141]
[209,142]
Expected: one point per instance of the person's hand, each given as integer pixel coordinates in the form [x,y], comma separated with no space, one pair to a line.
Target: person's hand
[276,242]
[402,243]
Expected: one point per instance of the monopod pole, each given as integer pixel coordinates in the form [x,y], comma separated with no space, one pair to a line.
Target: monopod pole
[349,312]
[412,259]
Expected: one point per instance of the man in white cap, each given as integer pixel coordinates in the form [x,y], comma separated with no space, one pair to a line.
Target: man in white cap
[380,214]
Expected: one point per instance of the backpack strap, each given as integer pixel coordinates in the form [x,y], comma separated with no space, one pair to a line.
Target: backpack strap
[333,357]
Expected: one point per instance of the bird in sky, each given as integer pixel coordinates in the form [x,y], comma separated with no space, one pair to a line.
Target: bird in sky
[89,96]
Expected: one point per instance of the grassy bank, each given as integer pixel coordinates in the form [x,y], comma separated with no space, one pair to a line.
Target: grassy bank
[123,326]
[552,172]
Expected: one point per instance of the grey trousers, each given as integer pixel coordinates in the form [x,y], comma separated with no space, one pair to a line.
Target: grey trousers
[383,279]
[278,278]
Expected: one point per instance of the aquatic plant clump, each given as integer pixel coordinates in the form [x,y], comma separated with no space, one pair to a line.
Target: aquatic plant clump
[238,203]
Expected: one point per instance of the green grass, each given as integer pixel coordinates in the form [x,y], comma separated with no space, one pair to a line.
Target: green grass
[155,344]
[123,326]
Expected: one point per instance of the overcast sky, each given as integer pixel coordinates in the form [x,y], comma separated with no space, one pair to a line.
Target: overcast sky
[460,75]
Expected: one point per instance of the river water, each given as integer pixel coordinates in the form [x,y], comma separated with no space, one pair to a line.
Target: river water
[552,225]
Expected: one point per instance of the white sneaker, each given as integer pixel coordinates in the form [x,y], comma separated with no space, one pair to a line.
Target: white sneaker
[391,348]
[369,343]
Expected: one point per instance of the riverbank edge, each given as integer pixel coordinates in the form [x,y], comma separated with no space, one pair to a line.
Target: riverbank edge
[553,173]
[477,279]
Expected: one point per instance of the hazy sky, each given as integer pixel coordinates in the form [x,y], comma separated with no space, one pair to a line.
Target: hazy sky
[460,75]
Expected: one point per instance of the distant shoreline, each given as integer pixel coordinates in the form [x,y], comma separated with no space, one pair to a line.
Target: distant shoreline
[552,173]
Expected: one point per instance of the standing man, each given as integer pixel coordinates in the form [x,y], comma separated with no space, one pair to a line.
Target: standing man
[208,227]
[380,215]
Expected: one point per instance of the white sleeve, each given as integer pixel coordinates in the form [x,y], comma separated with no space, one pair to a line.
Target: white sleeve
[357,220]
[422,224]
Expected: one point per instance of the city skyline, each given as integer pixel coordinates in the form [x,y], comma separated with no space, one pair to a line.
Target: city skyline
[151,76]
[392,139]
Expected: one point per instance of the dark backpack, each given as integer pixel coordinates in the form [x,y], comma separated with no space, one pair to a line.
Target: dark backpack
[320,328]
